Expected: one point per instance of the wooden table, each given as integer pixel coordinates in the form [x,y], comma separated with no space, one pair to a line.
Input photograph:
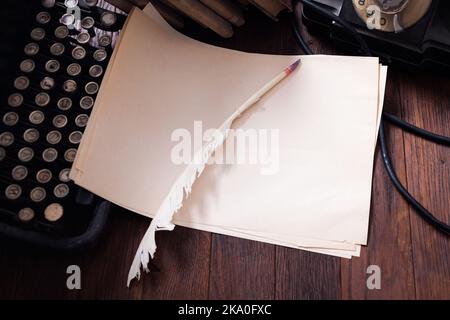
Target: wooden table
[414,258]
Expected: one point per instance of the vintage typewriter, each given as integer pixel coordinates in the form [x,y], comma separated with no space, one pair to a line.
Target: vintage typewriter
[52,60]
[414,34]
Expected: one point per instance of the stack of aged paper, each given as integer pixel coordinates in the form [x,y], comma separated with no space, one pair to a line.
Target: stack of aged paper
[310,190]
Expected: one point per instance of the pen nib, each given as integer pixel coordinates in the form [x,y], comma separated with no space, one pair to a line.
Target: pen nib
[292,67]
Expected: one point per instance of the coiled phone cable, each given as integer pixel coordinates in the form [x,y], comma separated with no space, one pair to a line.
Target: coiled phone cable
[419,208]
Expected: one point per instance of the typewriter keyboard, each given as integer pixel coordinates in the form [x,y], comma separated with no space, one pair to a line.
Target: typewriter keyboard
[55,76]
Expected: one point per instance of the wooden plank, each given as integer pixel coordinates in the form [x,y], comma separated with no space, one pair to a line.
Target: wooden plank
[425,102]
[389,245]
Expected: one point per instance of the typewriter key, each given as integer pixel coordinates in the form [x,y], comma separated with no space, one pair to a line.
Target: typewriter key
[70,154]
[48,3]
[38,194]
[87,23]
[37,34]
[62,32]
[21,83]
[61,190]
[73,69]
[81,120]
[67,19]
[91,87]
[25,154]
[2,154]
[43,17]
[36,117]
[47,83]
[31,49]
[54,137]
[95,71]
[104,40]
[70,86]
[60,121]
[52,66]
[44,176]
[71,3]
[15,100]
[13,192]
[64,104]
[42,99]
[26,214]
[108,19]
[6,139]
[49,154]
[10,119]
[78,53]
[100,55]
[91,3]
[31,135]
[27,65]
[57,49]
[53,212]
[83,37]
[86,102]
[19,173]
[75,137]
[64,175]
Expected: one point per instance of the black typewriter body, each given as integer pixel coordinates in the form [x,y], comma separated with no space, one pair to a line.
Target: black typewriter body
[412,34]
[53,56]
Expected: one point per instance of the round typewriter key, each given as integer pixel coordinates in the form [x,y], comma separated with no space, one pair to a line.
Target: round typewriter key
[64,103]
[15,100]
[49,154]
[57,49]
[87,23]
[81,120]
[47,83]
[54,137]
[21,83]
[10,118]
[83,37]
[86,102]
[69,86]
[53,212]
[62,32]
[6,139]
[70,154]
[31,49]
[44,176]
[60,121]
[36,117]
[26,214]
[78,53]
[108,19]
[37,34]
[75,137]
[64,175]
[48,3]
[73,69]
[104,40]
[43,17]
[19,173]
[71,3]
[25,154]
[61,190]
[31,135]
[52,66]
[13,192]
[38,194]
[27,65]
[100,55]
[91,3]
[67,19]
[95,71]
[91,87]
[2,154]
[42,99]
